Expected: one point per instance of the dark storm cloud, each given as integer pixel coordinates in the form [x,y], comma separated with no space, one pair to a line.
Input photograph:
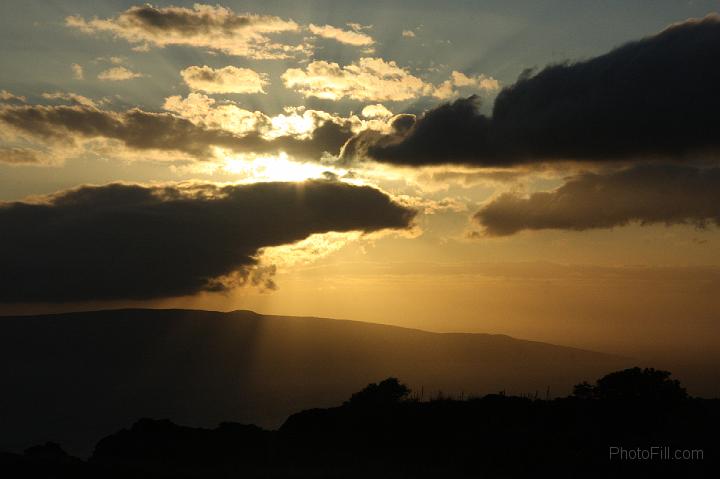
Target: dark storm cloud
[142,130]
[132,242]
[656,97]
[670,194]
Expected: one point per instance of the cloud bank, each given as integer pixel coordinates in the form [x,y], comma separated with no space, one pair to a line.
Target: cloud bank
[71,125]
[656,97]
[645,194]
[122,241]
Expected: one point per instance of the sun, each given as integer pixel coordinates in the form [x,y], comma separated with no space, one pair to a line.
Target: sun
[253,168]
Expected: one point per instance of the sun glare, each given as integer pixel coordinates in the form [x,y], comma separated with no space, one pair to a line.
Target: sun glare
[291,125]
[279,167]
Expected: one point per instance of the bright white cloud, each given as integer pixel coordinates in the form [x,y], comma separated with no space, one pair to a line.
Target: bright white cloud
[375,79]
[206,111]
[201,109]
[376,111]
[295,121]
[369,79]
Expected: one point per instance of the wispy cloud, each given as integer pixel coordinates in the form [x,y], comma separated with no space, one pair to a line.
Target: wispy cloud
[71,97]
[656,97]
[22,156]
[349,37]
[11,97]
[118,74]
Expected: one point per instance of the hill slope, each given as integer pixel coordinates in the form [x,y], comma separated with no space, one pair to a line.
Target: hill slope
[72,378]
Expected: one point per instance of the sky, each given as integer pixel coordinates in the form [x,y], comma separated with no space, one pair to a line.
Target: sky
[547,170]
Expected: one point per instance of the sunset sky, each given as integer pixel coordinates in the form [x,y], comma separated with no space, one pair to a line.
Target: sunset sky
[547,170]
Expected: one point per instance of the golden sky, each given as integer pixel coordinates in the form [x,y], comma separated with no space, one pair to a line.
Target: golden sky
[498,167]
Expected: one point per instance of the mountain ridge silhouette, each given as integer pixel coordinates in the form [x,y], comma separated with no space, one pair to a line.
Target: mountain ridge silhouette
[74,377]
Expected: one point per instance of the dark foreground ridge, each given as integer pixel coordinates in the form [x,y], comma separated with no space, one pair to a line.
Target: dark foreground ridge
[72,378]
[632,423]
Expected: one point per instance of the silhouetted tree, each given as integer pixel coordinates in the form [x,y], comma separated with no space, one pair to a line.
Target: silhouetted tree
[388,391]
[584,390]
[633,384]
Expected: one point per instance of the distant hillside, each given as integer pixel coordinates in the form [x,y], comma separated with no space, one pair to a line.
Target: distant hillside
[72,378]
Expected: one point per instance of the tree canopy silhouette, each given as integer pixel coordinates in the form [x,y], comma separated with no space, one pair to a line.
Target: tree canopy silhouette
[388,391]
[647,384]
